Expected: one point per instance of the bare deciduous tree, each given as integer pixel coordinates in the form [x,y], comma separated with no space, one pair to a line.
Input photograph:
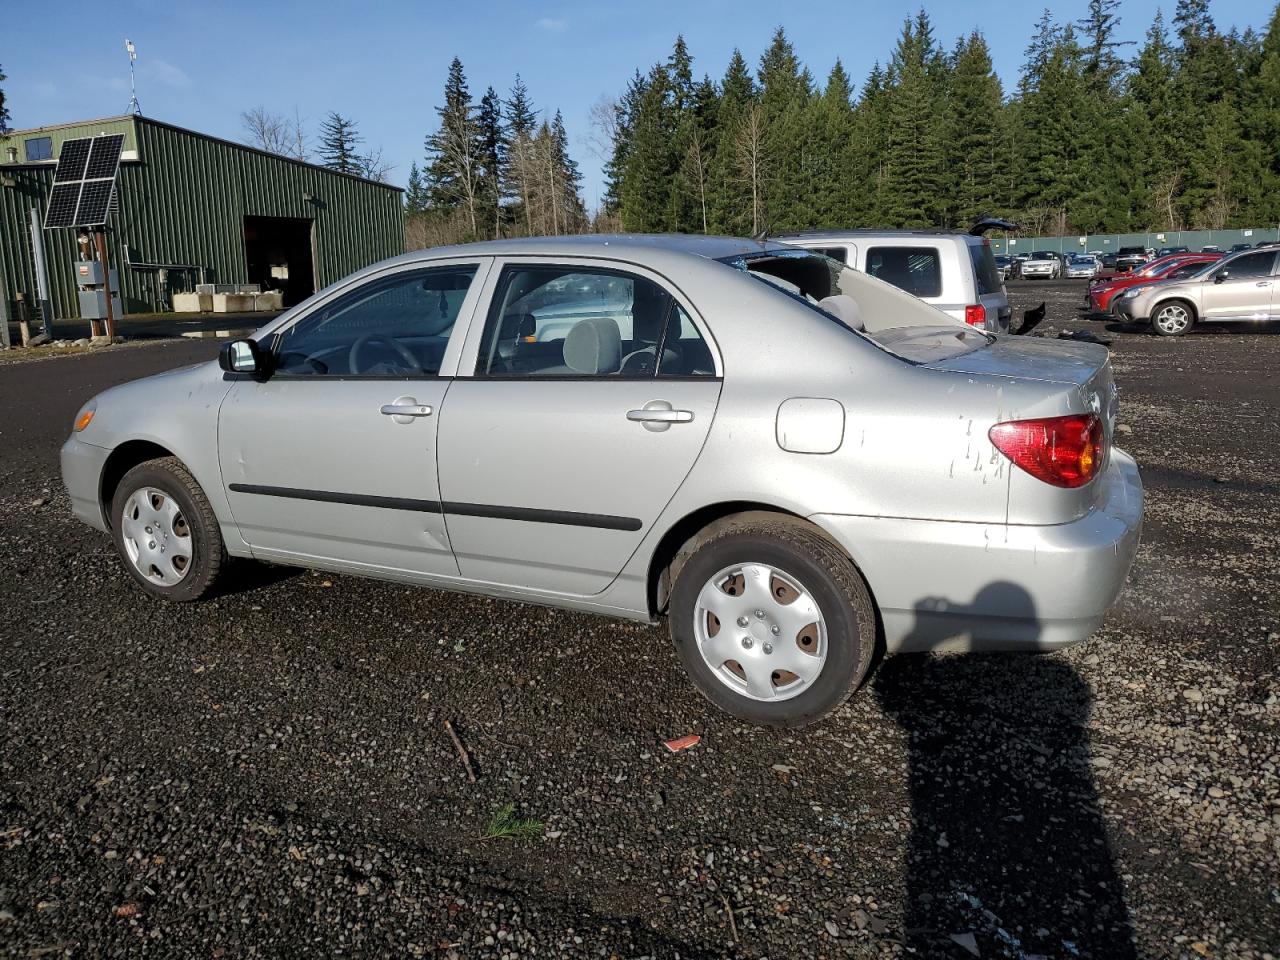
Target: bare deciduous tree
[695,170]
[274,132]
[602,119]
[749,161]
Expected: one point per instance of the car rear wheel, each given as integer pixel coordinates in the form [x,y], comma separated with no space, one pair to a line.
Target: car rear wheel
[1172,319]
[772,622]
[165,531]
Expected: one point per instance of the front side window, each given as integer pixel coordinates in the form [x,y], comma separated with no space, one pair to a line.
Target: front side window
[552,321]
[391,326]
[39,148]
[917,270]
[1248,267]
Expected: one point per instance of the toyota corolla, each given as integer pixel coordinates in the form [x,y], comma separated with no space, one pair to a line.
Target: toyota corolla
[789,461]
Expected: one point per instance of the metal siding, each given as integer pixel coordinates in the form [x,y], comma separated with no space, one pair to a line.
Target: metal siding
[186,203]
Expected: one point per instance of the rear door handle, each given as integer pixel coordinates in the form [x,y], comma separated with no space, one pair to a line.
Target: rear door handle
[1263,283]
[405,409]
[659,415]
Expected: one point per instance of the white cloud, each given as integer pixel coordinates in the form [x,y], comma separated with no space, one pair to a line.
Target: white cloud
[162,72]
[553,24]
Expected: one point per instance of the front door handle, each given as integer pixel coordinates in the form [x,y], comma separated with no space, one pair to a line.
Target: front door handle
[1263,283]
[405,409]
[659,415]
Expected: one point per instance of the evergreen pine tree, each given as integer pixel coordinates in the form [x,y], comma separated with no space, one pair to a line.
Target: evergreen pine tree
[454,162]
[1260,121]
[975,105]
[651,159]
[339,140]
[787,156]
[519,126]
[913,152]
[615,167]
[492,157]
[729,196]
[4,110]
[415,195]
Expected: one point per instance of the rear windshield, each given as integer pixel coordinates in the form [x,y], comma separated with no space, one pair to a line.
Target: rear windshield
[917,270]
[984,269]
[897,322]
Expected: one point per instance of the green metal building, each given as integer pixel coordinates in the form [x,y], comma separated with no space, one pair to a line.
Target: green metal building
[188,209]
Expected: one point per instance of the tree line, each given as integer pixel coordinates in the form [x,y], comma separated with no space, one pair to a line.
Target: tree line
[338,145]
[492,169]
[1181,132]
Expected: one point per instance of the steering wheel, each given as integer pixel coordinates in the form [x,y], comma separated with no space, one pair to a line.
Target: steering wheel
[353,358]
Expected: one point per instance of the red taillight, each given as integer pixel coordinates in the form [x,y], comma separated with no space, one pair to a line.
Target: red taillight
[975,315]
[1063,451]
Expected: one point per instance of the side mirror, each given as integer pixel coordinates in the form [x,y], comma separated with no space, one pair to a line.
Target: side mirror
[1221,275]
[242,357]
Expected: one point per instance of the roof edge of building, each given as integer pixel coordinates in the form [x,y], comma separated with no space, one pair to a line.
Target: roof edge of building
[139,118]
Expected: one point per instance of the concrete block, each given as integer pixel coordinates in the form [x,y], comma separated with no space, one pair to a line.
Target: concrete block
[232,302]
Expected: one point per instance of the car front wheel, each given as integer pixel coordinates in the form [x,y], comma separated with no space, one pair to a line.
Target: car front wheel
[772,621]
[166,532]
[1172,319]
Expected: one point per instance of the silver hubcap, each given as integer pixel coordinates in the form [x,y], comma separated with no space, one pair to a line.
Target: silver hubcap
[760,632]
[1173,319]
[156,537]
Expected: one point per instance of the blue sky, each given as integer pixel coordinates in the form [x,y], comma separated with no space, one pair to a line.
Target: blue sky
[384,63]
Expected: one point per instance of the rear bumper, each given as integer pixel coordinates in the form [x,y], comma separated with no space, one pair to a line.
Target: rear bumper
[967,586]
[82,474]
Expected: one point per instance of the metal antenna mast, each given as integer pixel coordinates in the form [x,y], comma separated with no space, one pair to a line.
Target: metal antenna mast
[134,106]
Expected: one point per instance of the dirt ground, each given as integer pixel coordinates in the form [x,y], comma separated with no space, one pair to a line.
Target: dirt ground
[267,774]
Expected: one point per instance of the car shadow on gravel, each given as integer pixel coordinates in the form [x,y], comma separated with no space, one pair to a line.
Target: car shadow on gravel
[1008,854]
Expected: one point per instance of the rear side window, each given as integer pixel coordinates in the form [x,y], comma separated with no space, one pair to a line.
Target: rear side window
[582,322]
[1254,265]
[984,269]
[917,270]
[839,254]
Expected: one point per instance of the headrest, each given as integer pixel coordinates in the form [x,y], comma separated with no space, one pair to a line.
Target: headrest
[593,346]
[844,308]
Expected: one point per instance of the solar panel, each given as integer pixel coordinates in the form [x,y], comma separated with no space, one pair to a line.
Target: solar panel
[84,182]
[62,205]
[72,160]
[105,157]
[95,198]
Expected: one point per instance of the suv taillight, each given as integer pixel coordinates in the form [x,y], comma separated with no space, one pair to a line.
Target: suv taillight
[1062,451]
[975,315]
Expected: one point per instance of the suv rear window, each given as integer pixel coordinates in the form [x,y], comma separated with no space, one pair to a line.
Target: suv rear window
[917,270]
[984,269]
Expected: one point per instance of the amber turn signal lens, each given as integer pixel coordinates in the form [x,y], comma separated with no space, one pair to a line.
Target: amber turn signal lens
[82,421]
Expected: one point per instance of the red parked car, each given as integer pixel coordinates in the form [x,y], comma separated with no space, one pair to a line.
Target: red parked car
[1103,290]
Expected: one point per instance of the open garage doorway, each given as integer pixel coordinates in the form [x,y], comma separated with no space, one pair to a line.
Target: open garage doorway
[277,252]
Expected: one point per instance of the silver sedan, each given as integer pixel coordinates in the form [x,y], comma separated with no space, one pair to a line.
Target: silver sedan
[790,461]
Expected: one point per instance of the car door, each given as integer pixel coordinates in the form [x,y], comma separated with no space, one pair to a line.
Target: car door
[1240,289]
[562,448]
[333,456]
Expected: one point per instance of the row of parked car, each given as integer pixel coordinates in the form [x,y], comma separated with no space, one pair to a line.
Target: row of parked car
[1051,265]
[1180,289]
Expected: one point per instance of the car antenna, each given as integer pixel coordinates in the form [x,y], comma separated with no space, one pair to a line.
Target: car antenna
[762,236]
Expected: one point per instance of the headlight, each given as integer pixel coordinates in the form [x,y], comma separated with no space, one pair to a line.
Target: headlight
[85,416]
[1130,294]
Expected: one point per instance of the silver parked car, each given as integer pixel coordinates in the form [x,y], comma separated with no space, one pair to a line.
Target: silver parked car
[955,272]
[1239,287]
[791,461]
[1082,266]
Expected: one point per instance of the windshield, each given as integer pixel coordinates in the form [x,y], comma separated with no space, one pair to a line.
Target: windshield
[895,320]
[1043,255]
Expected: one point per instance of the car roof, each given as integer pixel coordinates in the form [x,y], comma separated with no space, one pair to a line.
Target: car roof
[637,246]
[863,232]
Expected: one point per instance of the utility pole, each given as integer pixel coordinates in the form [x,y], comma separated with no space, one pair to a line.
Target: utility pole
[42,273]
[101,236]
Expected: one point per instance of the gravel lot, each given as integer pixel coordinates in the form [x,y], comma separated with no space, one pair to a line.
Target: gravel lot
[267,774]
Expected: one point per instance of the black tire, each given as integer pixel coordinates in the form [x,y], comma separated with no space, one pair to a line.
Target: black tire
[208,553]
[1163,327]
[805,553]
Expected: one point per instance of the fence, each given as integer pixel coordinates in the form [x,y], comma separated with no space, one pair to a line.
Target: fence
[1111,242]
